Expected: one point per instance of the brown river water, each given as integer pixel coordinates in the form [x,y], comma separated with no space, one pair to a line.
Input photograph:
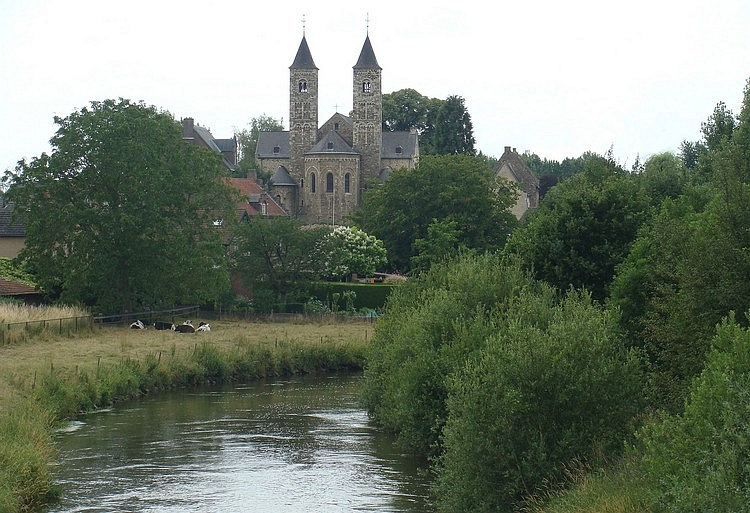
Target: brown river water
[300,444]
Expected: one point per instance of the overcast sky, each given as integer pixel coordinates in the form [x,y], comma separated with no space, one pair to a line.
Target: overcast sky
[556,78]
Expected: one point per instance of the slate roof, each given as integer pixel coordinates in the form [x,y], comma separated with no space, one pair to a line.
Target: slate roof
[10,227]
[303,59]
[367,58]
[282,177]
[332,142]
[267,141]
[407,141]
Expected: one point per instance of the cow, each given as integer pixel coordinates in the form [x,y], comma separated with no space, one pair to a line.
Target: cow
[204,326]
[160,325]
[138,325]
[185,327]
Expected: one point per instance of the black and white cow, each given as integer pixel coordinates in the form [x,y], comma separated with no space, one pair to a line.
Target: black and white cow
[160,325]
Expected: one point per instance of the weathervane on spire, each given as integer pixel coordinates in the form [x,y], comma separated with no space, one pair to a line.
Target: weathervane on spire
[367,19]
[303,25]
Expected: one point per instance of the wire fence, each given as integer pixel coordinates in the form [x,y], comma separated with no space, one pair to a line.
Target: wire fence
[11,332]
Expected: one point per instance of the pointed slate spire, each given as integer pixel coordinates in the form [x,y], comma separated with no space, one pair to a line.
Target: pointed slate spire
[367,58]
[303,59]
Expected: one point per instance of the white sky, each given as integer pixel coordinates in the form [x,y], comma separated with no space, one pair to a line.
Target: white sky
[557,78]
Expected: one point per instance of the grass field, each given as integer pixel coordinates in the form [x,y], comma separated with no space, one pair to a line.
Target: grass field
[22,364]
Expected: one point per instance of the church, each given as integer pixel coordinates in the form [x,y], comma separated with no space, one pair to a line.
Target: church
[319,171]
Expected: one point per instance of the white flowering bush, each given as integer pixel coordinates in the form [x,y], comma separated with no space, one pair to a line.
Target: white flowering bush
[347,250]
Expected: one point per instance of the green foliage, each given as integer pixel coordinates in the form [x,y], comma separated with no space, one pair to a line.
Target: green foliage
[276,255]
[120,214]
[698,461]
[583,229]
[431,324]
[9,270]
[370,296]
[440,244]
[444,126]
[552,385]
[458,189]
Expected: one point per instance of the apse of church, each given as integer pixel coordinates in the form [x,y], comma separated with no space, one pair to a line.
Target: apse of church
[320,171]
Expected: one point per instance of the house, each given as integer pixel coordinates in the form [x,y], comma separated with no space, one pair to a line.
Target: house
[512,167]
[12,231]
[255,201]
[202,137]
[319,172]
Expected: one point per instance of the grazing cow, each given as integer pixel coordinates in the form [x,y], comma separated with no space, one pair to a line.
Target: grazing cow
[138,325]
[185,327]
[204,326]
[159,325]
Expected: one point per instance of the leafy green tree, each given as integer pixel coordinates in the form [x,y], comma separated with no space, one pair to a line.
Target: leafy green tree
[247,142]
[120,214]
[444,126]
[431,324]
[452,188]
[406,109]
[276,254]
[698,460]
[453,133]
[583,229]
[440,244]
[537,396]
[349,250]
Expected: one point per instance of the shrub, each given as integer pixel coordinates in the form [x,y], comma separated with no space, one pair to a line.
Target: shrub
[700,460]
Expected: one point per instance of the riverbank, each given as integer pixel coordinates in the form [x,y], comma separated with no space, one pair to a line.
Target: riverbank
[53,378]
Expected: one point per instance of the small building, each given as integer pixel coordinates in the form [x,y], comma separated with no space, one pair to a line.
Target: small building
[12,231]
[512,167]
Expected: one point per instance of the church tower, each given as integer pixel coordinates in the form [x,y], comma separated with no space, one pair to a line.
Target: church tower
[367,112]
[303,112]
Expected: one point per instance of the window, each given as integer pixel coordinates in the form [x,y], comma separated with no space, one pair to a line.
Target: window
[347,181]
[330,145]
[264,208]
[218,222]
[336,127]
[312,182]
[276,150]
[302,183]
[303,86]
[329,182]
[366,86]
[399,150]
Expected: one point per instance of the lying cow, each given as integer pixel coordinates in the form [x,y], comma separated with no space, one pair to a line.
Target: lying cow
[204,326]
[159,325]
[138,325]
[185,327]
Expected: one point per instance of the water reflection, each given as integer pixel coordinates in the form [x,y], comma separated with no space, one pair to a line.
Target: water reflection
[292,445]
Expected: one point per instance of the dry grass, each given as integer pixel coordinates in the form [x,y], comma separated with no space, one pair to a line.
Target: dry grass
[10,313]
[22,364]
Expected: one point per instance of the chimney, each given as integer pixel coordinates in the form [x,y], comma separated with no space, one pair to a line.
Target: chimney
[507,149]
[188,128]
[514,150]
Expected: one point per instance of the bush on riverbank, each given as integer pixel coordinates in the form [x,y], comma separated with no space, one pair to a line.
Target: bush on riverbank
[26,427]
[504,381]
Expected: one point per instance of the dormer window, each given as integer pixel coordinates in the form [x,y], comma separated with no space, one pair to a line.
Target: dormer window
[366,86]
[303,86]
[330,145]
[399,150]
[276,150]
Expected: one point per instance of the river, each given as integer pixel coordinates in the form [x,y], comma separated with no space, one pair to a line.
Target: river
[300,444]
